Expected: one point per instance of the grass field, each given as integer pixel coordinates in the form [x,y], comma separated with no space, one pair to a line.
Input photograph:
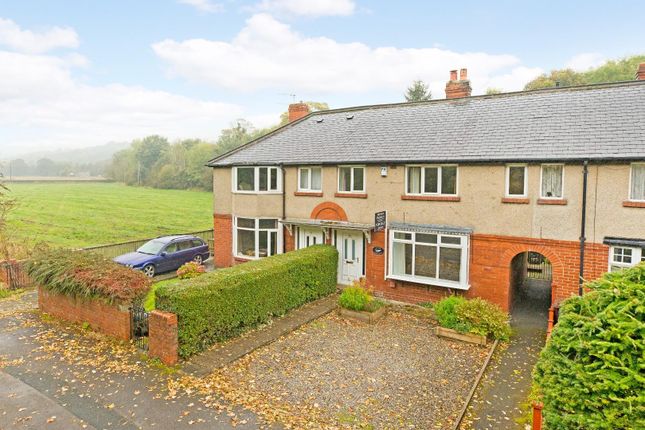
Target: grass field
[86,214]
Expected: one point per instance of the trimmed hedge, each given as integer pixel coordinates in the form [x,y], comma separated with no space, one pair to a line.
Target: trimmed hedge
[221,304]
[591,373]
[475,316]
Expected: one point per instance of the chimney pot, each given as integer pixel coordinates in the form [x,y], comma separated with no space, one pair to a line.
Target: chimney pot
[297,111]
[458,88]
[453,75]
[640,73]
[463,74]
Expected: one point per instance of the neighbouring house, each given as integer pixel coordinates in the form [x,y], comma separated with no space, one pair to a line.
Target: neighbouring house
[480,193]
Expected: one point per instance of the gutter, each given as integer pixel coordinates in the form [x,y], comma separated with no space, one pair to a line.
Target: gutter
[583,222]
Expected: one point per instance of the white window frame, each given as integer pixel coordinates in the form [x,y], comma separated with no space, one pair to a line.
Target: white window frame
[257,230]
[541,175]
[463,284]
[256,180]
[352,190]
[526,181]
[310,189]
[631,178]
[638,256]
[439,168]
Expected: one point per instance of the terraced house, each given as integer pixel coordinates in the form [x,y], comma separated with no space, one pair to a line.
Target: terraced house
[479,193]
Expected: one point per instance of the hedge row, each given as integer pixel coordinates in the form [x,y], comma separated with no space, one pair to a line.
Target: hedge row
[223,303]
[591,374]
[86,274]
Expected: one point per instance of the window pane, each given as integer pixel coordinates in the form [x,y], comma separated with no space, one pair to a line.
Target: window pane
[638,182]
[516,180]
[358,179]
[431,180]
[263,247]
[274,179]
[274,243]
[345,179]
[401,258]
[449,263]
[245,178]
[246,222]
[304,179]
[425,261]
[269,223]
[316,178]
[426,238]
[263,172]
[449,180]
[453,240]
[246,242]
[404,236]
[414,180]
[552,181]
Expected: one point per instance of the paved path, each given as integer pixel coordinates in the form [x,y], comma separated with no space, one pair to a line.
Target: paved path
[498,402]
[221,355]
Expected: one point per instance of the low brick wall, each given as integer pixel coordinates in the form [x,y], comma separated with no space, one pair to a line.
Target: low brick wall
[163,342]
[102,317]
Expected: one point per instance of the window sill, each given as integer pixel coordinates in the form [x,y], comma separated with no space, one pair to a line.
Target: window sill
[258,192]
[633,204]
[429,282]
[557,202]
[432,198]
[351,195]
[516,200]
[308,193]
[241,259]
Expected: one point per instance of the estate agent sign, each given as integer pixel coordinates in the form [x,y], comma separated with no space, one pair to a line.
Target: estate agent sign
[380,221]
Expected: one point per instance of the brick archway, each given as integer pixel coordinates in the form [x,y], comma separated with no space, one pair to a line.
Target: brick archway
[329,211]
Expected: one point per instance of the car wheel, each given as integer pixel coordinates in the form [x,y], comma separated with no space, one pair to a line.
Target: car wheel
[198,259]
[149,270]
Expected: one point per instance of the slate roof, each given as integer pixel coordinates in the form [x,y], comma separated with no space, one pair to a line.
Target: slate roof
[594,122]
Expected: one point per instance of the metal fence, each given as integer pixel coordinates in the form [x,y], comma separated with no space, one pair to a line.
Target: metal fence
[139,327]
[116,249]
[538,267]
[13,275]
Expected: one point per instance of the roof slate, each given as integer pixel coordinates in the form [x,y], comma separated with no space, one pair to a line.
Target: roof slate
[591,122]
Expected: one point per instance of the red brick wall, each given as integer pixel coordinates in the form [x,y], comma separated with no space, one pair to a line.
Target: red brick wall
[102,317]
[289,239]
[162,337]
[223,240]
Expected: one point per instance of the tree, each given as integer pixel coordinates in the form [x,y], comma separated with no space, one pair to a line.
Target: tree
[46,167]
[147,152]
[419,91]
[313,107]
[490,91]
[7,204]
[19,167]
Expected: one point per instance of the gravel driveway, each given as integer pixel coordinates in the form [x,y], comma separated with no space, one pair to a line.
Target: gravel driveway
[394,374]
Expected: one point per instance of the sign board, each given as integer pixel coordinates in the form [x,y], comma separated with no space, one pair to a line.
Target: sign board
[380,221]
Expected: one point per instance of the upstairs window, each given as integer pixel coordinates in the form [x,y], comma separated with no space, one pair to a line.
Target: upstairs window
[637,182]
[434,180]
[621,257]
[516,180]
[257,179]
[552,182]
[310,179]
[351,179]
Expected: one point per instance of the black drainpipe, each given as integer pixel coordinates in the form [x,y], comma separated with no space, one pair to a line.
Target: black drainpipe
[585,172]
[284,205]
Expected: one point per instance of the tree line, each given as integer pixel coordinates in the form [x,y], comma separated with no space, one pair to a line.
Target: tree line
[48,167]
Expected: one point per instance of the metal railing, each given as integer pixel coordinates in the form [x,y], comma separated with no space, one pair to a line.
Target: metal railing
[115,249]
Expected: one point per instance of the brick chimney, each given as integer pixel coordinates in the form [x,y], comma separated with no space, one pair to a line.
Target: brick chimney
[640,73]
[456,88]
[297,111]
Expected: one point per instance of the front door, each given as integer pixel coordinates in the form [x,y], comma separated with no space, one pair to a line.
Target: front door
[309,237]
[350,254]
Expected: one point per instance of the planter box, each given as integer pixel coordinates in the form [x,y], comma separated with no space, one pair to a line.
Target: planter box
[368,317]
[464,337]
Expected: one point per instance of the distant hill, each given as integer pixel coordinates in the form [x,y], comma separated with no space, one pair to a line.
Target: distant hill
[92,154]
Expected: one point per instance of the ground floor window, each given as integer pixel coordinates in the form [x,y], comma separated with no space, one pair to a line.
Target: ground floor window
[433,258]
[621,257]
[256,237]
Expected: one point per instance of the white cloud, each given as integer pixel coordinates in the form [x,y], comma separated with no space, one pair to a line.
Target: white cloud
[269,54]
[203,5]
[585,61]
[14,38]
[311,8]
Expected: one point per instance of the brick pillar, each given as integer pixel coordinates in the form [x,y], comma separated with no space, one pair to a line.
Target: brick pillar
[162,337]
[223,240]
[375,264]
[289,239]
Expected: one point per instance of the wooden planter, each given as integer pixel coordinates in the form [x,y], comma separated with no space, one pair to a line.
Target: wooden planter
[368,317]
[464,337]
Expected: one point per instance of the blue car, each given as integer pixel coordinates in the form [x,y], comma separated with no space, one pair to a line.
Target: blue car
[165,254]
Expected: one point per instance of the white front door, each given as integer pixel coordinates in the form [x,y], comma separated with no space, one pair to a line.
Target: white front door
[309,237]
[350,254]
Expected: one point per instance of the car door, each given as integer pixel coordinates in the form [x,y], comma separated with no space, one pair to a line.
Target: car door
[168,258]
[185,252]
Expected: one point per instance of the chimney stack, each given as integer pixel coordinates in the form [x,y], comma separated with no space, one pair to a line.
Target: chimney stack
[456,88]
[640,73]
[297,111]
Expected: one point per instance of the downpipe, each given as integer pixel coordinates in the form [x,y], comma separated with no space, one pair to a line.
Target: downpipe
[583,224]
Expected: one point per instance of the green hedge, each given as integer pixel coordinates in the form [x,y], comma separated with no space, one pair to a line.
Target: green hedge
[591,373]
[223,303]
[475,316]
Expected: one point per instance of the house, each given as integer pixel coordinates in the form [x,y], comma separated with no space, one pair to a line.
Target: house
[479,193]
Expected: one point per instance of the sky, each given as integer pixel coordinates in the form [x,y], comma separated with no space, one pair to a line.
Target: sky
[77,73]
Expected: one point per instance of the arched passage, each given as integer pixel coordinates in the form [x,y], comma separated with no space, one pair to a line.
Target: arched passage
[531,284]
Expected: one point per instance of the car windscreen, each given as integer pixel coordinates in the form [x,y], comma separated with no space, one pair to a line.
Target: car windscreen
[153,247]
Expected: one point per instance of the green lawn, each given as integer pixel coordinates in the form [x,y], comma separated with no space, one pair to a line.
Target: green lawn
[86,214]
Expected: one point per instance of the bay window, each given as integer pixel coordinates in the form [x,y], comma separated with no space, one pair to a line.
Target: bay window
[256,180]
[516,180]
[439,180]
[622,257]
[310,179]
[552,181]
[256,237]
[351,179]
[637,182]
[433,258]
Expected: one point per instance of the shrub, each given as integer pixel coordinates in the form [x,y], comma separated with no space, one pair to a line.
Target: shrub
[86,274]
[475,316]
[192,269]
[356,297]
[590,373]
[221,304]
